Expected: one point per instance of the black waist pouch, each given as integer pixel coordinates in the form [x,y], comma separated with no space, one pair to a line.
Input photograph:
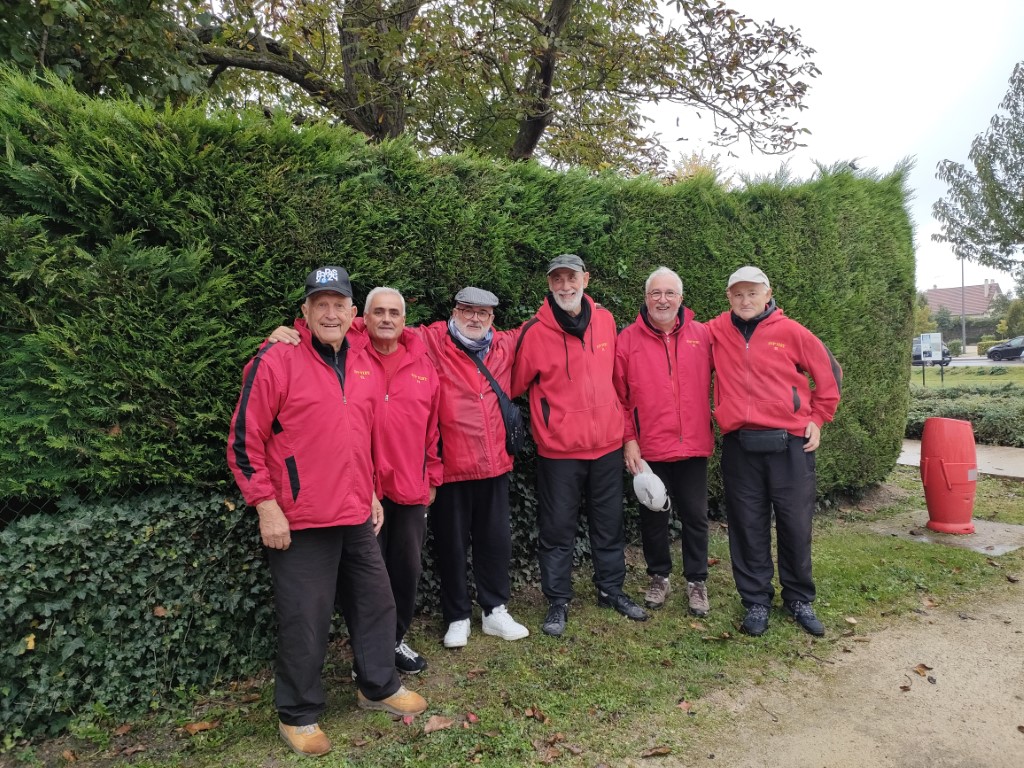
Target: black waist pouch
[763,440]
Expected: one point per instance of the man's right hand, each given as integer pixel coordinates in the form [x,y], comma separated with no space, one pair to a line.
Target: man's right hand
[631,452]
[285,333]
[274,528]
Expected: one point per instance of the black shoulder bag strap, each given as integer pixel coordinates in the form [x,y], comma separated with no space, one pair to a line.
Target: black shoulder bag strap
[483,369]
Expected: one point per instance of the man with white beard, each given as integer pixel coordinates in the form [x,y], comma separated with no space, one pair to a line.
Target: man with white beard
[566,359]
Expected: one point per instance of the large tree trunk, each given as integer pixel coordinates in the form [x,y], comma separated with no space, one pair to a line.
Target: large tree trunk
[539,79]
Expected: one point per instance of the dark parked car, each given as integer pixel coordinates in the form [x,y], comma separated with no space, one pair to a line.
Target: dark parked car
[916,355]
[1008,350]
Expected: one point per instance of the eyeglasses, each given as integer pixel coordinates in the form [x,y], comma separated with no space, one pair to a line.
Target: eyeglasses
[469,313]
[669,295]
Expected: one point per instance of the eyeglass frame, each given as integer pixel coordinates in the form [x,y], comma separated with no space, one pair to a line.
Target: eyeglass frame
[469,313]
[670,294]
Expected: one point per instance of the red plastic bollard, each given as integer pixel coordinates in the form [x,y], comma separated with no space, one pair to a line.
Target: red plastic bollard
[949,473]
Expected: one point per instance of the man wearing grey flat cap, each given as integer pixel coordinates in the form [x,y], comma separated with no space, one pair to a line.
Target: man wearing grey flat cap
[471,507]
[566,359]
[771,422]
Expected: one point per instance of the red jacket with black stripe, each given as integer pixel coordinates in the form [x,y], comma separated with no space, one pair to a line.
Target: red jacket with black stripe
[300,437]
[574,410]
[763,384]
[664,383]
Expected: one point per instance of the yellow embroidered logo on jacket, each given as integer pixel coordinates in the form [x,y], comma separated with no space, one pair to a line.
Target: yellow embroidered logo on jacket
[418,377]
[779,344]
[362,374]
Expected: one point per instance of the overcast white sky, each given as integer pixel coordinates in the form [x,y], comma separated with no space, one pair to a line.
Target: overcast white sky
[899,78]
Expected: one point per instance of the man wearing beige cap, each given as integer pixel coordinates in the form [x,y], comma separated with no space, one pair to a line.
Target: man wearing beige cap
[566,359]
[771,422]
[300,451]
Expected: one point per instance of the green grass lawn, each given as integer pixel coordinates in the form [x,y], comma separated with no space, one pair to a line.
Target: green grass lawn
[609,691]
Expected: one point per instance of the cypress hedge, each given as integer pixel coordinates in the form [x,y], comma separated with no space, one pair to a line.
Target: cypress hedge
[146,253]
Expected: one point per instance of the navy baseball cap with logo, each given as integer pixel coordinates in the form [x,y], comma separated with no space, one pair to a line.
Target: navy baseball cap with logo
[328,279]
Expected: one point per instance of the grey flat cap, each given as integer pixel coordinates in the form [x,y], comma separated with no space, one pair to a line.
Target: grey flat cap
[478,297]
[748,275]
[566,261]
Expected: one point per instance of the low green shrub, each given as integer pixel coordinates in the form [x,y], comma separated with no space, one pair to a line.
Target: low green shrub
[995,413]
[985,346]
[117,605]
[956,347]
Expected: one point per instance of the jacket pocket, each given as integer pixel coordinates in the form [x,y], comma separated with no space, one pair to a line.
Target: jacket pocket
[293,476]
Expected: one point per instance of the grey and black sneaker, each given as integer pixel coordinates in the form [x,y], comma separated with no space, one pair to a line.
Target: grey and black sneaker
[407,661]
[755,623]
[554,622]
[657,592]
[803,615]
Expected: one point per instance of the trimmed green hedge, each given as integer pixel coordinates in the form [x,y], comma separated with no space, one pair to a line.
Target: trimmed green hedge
[145,253]
[996,413]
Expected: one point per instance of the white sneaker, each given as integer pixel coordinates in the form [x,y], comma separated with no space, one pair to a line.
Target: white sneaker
[457,635]
[501,624]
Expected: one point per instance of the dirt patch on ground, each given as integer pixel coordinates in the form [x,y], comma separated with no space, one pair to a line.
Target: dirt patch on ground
[942,690]
[880,497]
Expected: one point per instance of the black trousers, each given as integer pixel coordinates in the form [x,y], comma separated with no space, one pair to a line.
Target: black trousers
[755,485]
[401,545]
[687,483]
[306,576]
[562,484]
[472,512]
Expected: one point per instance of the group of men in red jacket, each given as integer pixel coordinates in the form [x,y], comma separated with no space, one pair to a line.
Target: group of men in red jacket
[598,400]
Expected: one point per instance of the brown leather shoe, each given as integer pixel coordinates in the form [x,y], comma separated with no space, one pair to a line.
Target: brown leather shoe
[402,702]
[305,739]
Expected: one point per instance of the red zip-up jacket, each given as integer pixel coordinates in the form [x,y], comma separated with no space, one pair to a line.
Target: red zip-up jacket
[299,437]
[405,426]
[574,410]
[472,430]
[664,384]
[763,384]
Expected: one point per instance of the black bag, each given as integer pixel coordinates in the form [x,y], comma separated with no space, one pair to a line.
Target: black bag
[515,425]
[764,440]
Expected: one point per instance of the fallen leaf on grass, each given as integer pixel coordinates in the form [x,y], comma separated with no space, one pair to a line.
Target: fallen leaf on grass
[994,564]
[723,636]
[121,730]
[576,750]
[667,663]
[928,602]
[206,725]
[850,620]
[923,669]
[536,714]
[697,625]
[129,751]
[68,756]
[656,752]
[1012,579]
[360,742]
[473,674]
[684,705]
[472,717]
[1020,728]
[713,561]
[437,723]
[904,688]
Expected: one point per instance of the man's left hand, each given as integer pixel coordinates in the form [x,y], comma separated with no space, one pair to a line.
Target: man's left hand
[433,495]
[376,515]
[813,435]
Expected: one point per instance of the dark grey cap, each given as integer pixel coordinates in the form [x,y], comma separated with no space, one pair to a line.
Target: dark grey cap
[328,279]
[478,297]
[566,261]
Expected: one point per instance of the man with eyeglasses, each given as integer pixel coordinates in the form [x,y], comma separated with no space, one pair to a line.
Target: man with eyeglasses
[663,379]
[471,507]
[566,359]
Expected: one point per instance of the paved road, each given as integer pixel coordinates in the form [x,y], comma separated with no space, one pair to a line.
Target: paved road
[992,459]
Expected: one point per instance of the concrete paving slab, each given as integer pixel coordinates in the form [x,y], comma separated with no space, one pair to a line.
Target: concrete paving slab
[989,538]
[992,459]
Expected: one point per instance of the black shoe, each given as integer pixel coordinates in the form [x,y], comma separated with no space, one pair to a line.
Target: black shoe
[623,605]
[407,661]
[803,615]
[554,622]
[755,623]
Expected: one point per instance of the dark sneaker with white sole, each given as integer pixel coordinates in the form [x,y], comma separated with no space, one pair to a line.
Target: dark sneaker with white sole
[755,623]
[407,661]
[803,615]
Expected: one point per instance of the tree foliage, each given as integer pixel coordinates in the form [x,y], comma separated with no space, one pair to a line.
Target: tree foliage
[566,80]
[982,214]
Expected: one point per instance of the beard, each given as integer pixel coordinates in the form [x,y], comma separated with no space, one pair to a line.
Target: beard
[474,334]
[570,304]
